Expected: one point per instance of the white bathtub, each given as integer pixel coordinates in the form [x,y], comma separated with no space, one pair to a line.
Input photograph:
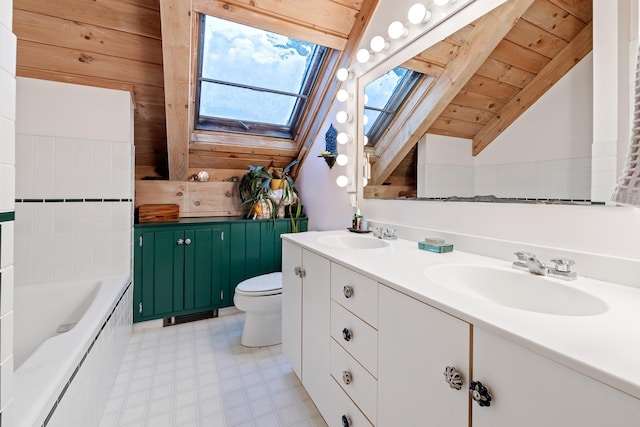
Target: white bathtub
[63,378]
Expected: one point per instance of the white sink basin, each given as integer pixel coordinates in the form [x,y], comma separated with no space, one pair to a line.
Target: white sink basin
[352,242]
[516,289]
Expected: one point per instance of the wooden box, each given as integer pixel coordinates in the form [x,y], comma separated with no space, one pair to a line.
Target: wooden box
[158,213]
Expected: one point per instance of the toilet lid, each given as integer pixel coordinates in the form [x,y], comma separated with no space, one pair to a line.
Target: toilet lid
[265,284]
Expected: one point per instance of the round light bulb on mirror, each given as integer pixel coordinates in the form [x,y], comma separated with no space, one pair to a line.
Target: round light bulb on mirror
[366,140]
[343,74]
[363,56]
[440,2]
[396,30]
[365,181]
[366,99]
[365,120]
[342,95]
[342,181]
[378,44]
[343,138]
[418,14]
[343,117]
[342,159]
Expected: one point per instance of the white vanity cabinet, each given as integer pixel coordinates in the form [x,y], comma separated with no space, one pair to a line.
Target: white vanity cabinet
[371,355]
[416,344]
[305,319]
[529,390]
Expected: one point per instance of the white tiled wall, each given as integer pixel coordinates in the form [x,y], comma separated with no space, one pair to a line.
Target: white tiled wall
[74,194]
[7,197]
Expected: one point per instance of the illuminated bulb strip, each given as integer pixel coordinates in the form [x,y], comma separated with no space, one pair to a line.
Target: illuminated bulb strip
[363,56]
[396,30]
[378,44]
[343,138]
[342,159]
[343,117]
[343,74]
[342,181]
[342,95]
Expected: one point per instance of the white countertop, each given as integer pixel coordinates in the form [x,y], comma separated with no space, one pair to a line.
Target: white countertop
[605,347]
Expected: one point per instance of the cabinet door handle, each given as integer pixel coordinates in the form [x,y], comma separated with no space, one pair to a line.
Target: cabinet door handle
[346,421]
[180,241]
[480,393]
[299,271]
[346,334]
[346,377]
[348,291]
[453,377]
[187,241]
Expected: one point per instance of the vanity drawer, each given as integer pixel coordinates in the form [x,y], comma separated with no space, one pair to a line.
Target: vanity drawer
[343,406]
[357,293]
[355,381]
[356,336]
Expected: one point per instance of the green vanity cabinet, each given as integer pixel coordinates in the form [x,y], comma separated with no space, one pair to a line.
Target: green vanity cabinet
[195,264]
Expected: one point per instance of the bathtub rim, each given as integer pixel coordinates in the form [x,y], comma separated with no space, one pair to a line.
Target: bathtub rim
[60,357]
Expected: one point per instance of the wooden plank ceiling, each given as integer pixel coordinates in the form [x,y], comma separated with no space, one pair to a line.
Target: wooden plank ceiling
[542,41]
[118,44]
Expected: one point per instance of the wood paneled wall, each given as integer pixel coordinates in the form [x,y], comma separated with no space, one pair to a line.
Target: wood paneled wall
[107,43]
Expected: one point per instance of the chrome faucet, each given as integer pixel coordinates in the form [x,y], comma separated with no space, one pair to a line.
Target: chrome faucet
[529,262]
[385,233]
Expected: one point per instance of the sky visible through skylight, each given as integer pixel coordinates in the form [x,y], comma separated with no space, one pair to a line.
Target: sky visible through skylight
[251,57]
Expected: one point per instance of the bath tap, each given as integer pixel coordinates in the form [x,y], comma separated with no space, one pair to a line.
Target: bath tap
[529,262]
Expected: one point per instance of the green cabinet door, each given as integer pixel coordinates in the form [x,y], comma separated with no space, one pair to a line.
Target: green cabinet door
[179,271]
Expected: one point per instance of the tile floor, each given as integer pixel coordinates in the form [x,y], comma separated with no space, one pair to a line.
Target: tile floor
[198,375]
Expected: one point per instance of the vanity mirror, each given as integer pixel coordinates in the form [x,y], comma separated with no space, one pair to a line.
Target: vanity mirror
[491,118]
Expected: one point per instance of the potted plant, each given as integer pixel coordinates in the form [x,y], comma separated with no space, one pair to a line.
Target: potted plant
[269,192]
[254,192]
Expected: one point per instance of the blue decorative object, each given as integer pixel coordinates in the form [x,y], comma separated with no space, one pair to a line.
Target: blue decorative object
[330,140]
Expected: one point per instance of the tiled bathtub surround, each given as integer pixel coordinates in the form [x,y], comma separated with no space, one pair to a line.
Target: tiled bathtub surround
[72,240]
[74,217]
[74,182]
[71,168]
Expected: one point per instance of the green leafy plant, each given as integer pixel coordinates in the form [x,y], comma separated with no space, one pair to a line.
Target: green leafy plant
[256,189]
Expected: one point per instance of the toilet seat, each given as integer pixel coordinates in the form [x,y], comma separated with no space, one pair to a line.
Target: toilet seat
[264,285]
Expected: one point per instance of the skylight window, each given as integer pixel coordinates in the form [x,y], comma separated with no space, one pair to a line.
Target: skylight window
[253,81]
[385,96]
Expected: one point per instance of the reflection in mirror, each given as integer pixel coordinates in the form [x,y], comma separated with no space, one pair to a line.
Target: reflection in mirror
[384,97]
[517,129]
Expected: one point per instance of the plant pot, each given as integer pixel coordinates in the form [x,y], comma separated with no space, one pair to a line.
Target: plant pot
[276,183]
[262,210]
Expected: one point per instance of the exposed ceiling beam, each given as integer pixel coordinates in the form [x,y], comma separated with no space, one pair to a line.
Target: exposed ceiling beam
[345,59]
[176,21]
[488,32]
[579,47]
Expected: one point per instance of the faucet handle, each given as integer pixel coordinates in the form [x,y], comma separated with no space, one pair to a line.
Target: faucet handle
[524,256]
[563,264]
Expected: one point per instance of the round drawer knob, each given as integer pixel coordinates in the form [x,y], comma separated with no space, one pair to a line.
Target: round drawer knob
[348,291]
[346,377]
[480,394]
[346,421]
[346,334]
[187,241]
[453,377]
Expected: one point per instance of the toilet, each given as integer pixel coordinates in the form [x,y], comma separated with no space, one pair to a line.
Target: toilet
[260,298]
